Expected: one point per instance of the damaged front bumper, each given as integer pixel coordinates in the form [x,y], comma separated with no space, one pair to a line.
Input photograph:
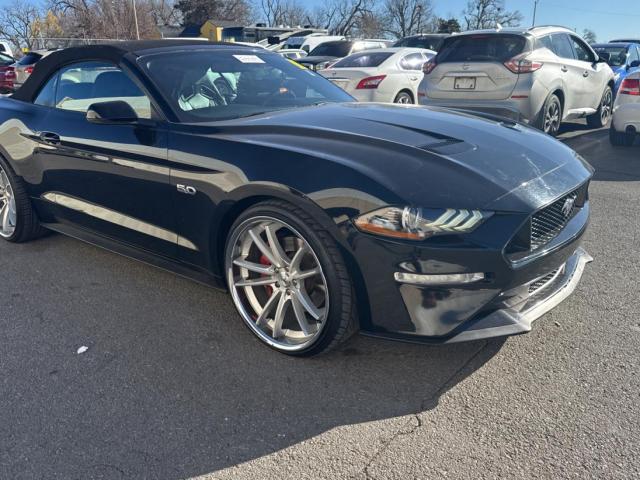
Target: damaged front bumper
[518,316]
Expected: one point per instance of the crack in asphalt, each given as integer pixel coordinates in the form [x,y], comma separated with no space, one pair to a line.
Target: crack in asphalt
[415,422]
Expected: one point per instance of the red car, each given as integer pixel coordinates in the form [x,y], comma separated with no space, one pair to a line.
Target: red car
[7,73]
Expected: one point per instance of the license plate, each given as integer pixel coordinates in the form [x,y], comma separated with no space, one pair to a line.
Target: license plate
[464,83]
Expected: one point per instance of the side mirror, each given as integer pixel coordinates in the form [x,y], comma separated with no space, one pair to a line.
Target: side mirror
[115,111]
[603,57]
[634,64]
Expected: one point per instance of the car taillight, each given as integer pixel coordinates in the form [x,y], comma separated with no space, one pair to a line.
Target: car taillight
[9,74]
[630,86]
[520,64]
[428,67]
[370,82]
[28,69]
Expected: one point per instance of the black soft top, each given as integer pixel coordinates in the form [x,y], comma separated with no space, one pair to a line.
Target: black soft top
[110,52]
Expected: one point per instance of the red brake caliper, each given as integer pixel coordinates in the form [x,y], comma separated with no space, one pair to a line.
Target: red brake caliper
[265,261]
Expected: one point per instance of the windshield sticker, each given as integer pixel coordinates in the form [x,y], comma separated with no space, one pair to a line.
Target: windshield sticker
[249,58]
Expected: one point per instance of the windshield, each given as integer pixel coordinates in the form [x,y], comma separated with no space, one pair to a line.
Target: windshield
[30,58]
[331,49]
[428,42]
[363,59]
[618,55]
[6,59]
[481,48]
[294,42]
[221,84]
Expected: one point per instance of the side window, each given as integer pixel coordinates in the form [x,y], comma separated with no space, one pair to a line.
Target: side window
[634,56]
[82,84]
[545,42]
[562,46]
[582,51]
[413,61]
[47,95]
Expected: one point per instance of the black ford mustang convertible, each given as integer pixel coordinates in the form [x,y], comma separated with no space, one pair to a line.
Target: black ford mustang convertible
[322,216]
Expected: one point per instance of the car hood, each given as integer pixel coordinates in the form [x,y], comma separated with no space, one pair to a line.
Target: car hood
[425,155]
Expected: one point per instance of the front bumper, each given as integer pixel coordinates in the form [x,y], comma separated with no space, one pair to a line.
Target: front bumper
[511,296]
[517,318]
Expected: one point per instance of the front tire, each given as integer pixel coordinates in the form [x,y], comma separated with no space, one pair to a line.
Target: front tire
[602,117]
[621,139]
[288,280]
[550,117]
[18,220]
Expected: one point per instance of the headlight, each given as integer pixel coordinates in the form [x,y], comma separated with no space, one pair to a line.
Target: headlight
[419,223]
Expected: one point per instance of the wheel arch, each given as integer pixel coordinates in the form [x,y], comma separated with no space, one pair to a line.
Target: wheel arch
[408,91]
[612,84]
[558,92]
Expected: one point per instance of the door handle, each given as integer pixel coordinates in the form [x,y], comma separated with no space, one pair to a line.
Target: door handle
[564,69]
[585,74]
[50,138]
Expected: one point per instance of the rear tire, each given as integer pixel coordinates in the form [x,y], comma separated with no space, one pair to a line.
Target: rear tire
[621,139]
[404,98]
[18,221]
[602,117]
[550,117]
[272,250]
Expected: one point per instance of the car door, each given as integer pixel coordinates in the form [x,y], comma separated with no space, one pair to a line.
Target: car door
[593,74]
[411,66]
[571,71]
[110,179]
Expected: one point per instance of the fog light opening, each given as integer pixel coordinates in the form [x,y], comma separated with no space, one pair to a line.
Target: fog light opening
[446,279]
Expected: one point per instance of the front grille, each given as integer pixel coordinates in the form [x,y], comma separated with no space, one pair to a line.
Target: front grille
[549,221]
[546,224]
[544,281]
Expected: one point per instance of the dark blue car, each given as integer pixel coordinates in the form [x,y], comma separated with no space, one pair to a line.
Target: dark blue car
[624,58]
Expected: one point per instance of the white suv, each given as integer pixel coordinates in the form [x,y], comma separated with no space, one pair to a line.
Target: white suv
[541,75]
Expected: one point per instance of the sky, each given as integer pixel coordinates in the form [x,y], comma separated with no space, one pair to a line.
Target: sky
[607,18]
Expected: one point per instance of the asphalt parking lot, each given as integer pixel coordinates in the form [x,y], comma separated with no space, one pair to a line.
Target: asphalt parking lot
[173,386]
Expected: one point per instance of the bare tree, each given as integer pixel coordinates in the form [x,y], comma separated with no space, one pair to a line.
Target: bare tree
[17,22]
[589,36]
[480,14]
[284,12]
[165,13]
[196,12]
[105,19]
[408,17]
[372,25]
[343,17]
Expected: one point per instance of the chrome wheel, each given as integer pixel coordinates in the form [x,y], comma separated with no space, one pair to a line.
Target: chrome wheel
[552,118]
[277,283]
[7,206]
[404,99]
[606,107]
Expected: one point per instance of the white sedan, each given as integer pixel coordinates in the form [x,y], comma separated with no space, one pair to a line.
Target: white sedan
[625,124]
[389,75]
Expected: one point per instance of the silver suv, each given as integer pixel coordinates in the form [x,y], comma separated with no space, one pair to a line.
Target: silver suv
[541,75]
